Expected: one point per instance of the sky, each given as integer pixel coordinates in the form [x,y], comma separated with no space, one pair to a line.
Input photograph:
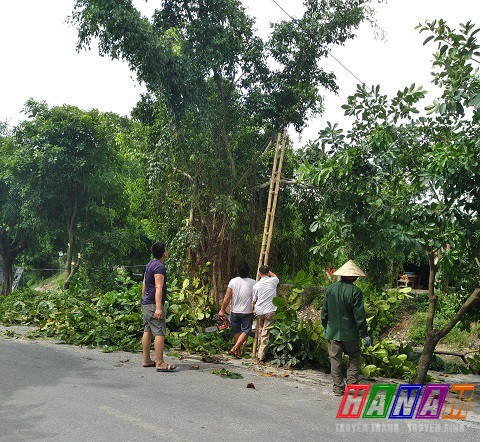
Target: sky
[39,60]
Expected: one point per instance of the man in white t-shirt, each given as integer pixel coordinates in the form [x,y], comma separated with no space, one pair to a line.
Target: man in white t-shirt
[263,293]
[239,292]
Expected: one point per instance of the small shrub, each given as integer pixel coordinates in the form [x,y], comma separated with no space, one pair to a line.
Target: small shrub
[382,307]
[389,359]
[296,342]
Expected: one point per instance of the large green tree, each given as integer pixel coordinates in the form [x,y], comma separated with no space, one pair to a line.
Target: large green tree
[19,224]
[399,182]
[218,94]
[71,170]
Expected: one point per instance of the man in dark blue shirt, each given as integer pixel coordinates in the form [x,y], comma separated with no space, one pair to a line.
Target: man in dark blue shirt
[154,313]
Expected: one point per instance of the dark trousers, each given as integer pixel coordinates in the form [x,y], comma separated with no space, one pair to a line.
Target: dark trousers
[351,349]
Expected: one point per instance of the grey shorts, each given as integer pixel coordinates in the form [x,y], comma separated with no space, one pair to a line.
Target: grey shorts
[156,326]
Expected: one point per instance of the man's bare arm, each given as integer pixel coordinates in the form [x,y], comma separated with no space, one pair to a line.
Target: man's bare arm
[158,282]
[226,301]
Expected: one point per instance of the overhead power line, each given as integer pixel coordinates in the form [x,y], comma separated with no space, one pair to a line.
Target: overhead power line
[283,10]
[347,69]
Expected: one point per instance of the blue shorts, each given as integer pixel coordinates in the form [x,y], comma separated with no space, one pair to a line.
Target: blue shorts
[241,323]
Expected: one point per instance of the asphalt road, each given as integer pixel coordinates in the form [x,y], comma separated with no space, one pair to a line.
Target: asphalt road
[58,392]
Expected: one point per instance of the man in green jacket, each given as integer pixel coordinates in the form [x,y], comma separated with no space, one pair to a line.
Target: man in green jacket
[344,320]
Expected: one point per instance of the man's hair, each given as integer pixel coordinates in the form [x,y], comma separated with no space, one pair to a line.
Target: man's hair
[243,270]
[158,249]
[349,278]
[264,270]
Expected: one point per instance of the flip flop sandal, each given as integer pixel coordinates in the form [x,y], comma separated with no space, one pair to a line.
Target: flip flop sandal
[150,365]
[169,367]
[236,355]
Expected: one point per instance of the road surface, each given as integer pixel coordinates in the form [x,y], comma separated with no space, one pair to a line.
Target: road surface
[66,393]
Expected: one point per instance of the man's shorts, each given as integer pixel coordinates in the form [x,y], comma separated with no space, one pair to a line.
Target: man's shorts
[241,323]
[156,326]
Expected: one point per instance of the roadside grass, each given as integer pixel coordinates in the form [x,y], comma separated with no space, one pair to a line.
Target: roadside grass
[456,338]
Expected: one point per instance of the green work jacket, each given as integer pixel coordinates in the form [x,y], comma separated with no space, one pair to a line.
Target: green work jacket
[343,315]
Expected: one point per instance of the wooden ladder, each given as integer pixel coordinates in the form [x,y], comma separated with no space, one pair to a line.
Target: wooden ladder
[272,199]
[270,214]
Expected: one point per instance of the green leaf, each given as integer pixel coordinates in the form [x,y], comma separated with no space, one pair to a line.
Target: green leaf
[279,302]
[369,370]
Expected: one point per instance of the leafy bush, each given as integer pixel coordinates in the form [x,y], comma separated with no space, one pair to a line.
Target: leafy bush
[381,308]
[310,292]
[296,342]
[190,309]
[447,305]
[386,358]
[458,337]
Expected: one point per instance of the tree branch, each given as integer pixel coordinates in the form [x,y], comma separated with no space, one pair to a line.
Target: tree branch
[432,297]
[260,154]
[286,181]
[187,175]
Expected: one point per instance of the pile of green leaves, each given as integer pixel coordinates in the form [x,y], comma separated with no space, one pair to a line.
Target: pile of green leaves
[112,320]
[386,358]
[296,342]
[190,309]
[440,365]
[14,309]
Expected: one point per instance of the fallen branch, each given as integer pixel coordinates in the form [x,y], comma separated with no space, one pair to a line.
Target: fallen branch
[457,354]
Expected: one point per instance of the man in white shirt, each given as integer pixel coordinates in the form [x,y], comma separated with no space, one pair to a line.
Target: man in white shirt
[263,293]
[239,292]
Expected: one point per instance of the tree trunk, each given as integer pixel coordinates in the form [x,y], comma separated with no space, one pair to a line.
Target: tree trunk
[7,269]
[425,359]
[434,336]
[70,234]
[431,338]
[10,248]
[68,279]
[73,269]
[68,259]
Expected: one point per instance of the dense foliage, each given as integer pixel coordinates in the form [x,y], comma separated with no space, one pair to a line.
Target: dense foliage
[399,183]
[217,96]
[295,341]
[65,189]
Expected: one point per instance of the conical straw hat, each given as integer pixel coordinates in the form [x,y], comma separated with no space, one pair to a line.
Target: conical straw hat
[349,269]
